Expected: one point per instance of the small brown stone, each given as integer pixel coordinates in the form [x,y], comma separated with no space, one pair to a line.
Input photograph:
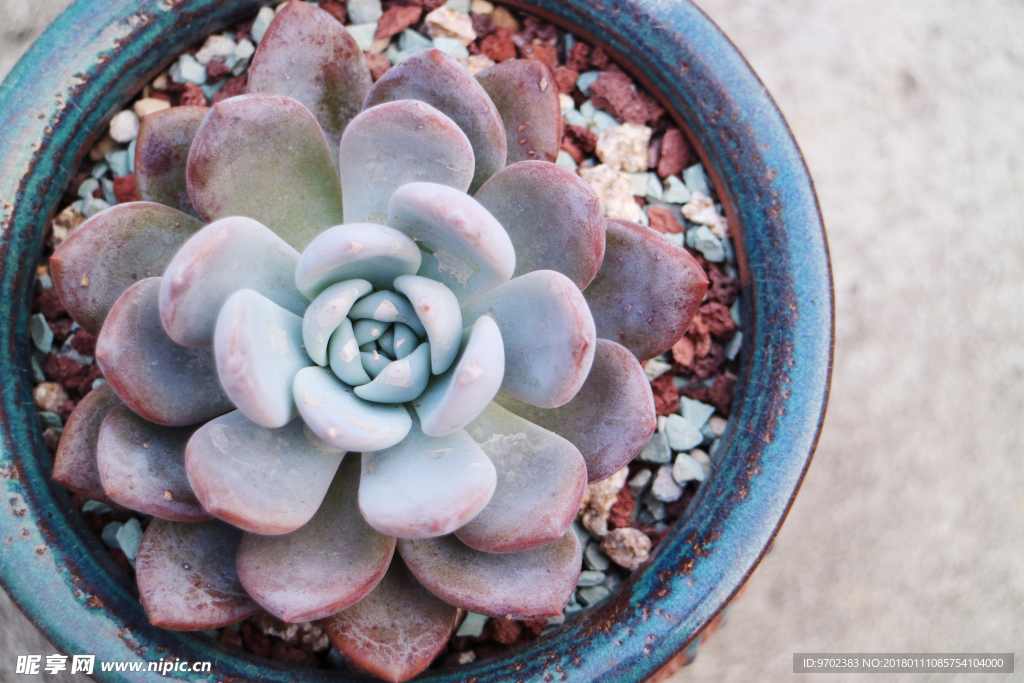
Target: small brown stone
[575,152]
[84,342]
[533,627]
[430,5]
[627,547]
[718,320]
[216,70]
[193,96]
[283,652]
[49,304]
[598,59]
[483,25]
[666,397]
[338,10]
[124,189]
[499,46]
[708,364]
[230,638]
[615,93]
[723,288]
[395,20]
[719,394]
[654,153]
[622,510]
[506,631]
[663,220]
[255,642]
[655,112]
[565,79]
[579,58]
[545,54]
[584,138]
[378,63]
[676,153]
[234,87]
[684,353]
[61,328]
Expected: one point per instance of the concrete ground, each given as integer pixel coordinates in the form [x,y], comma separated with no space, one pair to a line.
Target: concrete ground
[908,534]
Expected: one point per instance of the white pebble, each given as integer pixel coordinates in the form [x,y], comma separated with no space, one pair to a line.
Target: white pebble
[215,47]
[124,126]
[149,105]
[259,27]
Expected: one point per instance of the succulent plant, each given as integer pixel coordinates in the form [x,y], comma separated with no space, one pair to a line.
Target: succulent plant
[473,329]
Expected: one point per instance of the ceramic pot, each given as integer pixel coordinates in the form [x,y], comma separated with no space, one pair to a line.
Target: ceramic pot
[89,63]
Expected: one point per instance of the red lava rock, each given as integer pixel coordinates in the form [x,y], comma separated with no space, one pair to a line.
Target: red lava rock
[615,93]
[157,95]
[651,533]
[61,328]
[579,58]
[397,19]
[718,320]
[575,152]
[49,304]
[283,652]
[193,96]
[565,79]
[234,87]
[533,627]
[535,28]
[707,365]
[71,373]
[378,63]
[655,112]
[676,153]
[84,342]
[338,10]
[654,152]
[719,394]
[506,631]
[98,193]
[124,189]
[622,509]
[499,46]
[684,353]
[676,509]
[640,201]
[231,638]
[666,397]
[216,70]
[255,642]
[584,138]
[663,220]
[723,289]
[483,26]
[598,59]
[546,54]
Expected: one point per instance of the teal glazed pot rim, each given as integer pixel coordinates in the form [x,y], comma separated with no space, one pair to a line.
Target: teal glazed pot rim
[95,56]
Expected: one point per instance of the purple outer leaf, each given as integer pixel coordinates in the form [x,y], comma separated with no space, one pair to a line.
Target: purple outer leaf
[266,481]
[396,143]
[161,156]
[553,217]
[525,94]
[187,576]
[548,335]
[647,291]
[541,480]
[265,157]
[396,630]
[612,417]
[75,463]
[112,251]
[329,564]
[527,585]
[433,77]
[161,381]
[328,73]
[142,466]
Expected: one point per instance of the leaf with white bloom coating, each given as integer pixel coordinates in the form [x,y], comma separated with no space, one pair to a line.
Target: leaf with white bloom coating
[266,481]
[231,254]
[344,420]
[258,346]
[454,399]
[387,341]
[363,251]
[524,92]
[406,340]
[466,248]
[401,380]
[344,356]
[425,486]
[388,307]
[547,332]
[374,362]
[326,313]
[367,331]
[437,309]
[322,568]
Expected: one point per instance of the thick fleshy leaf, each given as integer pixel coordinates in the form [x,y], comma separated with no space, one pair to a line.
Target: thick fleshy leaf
[553,217]
[525,94]
[405,340]
[74,465]
[344,356]
[187,576]
[397,143]
[433,77]
[466,248]
[142,467]
[344,420]
[374,362]
[266,481]
[361,251]
[328,74]
[454,399]
[647,291]
[396,630]
[265,157]
[258,346]
[161,381]
[437,309]
[325,314]
[329,564]
[548,335]
[527,585]
[541,480]
[368,331]
[425,486]
[112,251]
[387,341]
[161,156]
[399,381]
[610,420]
[231,254]
[388,307]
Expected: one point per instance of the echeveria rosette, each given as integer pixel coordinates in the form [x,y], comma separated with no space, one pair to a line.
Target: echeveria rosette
[241,370]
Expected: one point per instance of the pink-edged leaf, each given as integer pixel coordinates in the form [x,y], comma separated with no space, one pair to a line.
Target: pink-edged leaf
[75,462]
[329,564]
[425,486]
[328,74]
[161,156]
[161,381]
[553,217]
[525,94]
[438,311]
[541,480]
[112,251]
[548,335]
[265,157]
[396,143]
[142,467]
[433,77]
[647,291]
[396,630]
[610,420]
[526,585]
[228,255]
[266,481]
[187,576]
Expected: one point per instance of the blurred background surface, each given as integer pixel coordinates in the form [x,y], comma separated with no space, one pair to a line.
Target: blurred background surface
[908,534]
